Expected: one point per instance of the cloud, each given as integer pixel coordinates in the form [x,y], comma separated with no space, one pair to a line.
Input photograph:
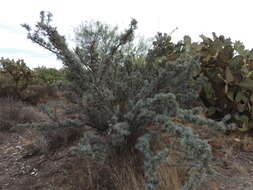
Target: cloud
[14,45]
[33,62]
[9,28]
[23,51]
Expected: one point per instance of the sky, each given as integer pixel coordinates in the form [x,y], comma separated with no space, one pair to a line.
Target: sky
[231,18]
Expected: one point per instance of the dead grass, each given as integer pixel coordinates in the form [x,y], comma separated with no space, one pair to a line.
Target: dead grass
[171,178]
[125,177]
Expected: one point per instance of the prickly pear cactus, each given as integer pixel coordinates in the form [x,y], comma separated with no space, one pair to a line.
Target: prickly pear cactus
[229,69]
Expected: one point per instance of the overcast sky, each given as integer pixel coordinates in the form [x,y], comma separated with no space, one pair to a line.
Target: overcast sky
[231,18]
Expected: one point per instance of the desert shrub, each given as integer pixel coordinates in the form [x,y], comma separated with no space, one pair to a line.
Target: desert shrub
[5,80]
[126,102]
[105,37]
[20,82]
[15,77]
[47,76]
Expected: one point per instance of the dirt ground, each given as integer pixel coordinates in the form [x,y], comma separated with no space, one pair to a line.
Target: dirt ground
[24,165]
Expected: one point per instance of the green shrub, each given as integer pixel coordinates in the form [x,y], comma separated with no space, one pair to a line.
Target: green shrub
[47,76]
[15,77]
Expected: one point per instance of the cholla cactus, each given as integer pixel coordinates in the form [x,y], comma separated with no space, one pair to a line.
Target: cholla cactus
[121,98]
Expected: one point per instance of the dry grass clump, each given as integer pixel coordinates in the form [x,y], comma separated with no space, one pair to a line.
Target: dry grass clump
[122,172]
[13,112]
[128,178]
[50,141]
[123,176]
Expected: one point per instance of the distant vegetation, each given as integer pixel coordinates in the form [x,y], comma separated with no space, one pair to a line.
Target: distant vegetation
[20,82]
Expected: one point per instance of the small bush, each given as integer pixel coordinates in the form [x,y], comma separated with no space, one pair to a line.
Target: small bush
[18,75]
[48,76]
